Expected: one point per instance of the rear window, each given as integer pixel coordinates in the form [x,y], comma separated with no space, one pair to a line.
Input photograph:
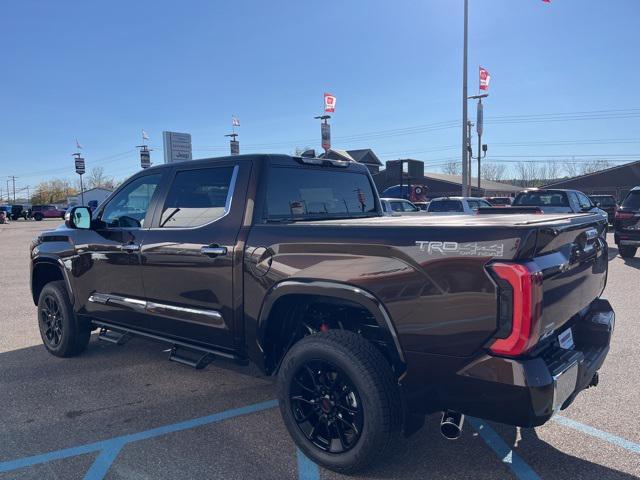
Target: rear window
[632,201]
[542,199]
[310,193]
[445,206]
[604,201]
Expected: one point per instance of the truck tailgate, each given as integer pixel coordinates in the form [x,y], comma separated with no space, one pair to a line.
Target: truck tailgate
[573,261]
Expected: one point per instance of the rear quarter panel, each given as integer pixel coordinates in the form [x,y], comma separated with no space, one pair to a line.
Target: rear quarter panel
[440,299]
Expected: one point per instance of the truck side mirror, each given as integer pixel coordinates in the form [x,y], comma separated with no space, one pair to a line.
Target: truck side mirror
[78,217]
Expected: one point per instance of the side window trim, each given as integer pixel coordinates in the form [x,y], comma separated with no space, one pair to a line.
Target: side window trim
[169,183]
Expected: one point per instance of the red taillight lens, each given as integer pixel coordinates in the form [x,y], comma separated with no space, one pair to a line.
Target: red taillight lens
[526,296]
[623,215]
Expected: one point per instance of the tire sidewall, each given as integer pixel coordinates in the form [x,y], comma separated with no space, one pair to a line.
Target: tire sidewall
[310,350]
[69,329]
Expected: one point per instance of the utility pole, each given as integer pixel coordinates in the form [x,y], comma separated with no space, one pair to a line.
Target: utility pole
[469,157]
[482,149]
[8,192]
[465,137]
[13,178]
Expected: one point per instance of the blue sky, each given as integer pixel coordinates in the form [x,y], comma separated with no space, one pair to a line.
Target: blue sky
[102,71]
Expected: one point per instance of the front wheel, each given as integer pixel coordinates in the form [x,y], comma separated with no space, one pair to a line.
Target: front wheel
[339,400]
[626,251]
[63,334]
[37,217]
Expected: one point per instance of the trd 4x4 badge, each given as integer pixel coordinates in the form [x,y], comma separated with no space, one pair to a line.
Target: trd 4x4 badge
[475,249]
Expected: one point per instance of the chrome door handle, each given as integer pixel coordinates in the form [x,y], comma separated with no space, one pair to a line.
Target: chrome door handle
[130,247]
[213,251]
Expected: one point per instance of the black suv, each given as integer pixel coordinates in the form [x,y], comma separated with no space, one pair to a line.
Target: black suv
[368,321]
[627,224]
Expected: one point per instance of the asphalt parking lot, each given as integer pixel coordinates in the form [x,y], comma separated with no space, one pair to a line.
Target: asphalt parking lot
[128,413]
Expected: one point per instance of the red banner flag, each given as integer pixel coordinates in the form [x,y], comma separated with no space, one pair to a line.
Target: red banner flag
[329,103]
[485,77]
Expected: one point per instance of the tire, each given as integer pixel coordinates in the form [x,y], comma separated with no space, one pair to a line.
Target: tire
[370,413]
[62,333]
[37,217]
[627,251]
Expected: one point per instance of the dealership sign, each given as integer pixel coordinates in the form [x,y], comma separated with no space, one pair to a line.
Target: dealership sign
[80,167]
[325,131]
[177,146]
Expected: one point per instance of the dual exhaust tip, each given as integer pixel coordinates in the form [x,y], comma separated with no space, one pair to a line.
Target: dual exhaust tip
[451,424]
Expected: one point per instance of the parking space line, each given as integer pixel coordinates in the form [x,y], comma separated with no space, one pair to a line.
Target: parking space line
[594,432]
[518,466]
[307,470]
[109,448]
[103,462]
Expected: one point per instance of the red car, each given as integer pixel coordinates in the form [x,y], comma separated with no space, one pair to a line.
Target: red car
[38,212]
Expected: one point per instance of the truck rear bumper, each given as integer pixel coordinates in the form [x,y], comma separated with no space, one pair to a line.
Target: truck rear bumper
[527,392]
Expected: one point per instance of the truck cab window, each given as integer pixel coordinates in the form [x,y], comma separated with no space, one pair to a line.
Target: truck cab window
[197,197]
[129,207]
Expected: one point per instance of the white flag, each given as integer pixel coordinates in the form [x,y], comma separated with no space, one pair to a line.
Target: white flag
[145,135]
[235,121]
[78,146]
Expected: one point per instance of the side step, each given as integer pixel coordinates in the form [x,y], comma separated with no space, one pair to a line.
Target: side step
[192,358]
[117,338]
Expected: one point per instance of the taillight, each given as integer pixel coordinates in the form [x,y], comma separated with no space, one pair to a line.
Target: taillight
[520,303]
[623,215]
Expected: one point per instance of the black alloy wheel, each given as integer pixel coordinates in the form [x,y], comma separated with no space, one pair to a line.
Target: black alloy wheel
[51,321]
[326,406]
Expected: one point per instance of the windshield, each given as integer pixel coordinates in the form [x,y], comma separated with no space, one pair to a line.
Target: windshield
[445,206]
[542,199]
[632,202]
[312,194]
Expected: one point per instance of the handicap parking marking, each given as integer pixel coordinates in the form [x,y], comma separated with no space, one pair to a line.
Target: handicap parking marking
[516,464]
[108,449]
[307,470]
[594,432]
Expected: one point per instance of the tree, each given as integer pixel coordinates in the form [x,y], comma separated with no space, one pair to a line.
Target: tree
[98,179]
[592,166]
[53,191]
[493,171]
[452,168]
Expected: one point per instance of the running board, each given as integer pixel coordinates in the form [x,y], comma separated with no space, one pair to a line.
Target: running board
[110,336]
[192,358]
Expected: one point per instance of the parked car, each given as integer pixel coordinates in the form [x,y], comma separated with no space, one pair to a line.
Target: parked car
[18,211]
[7,211]
[38,212]
[456,205]
[368,321]
[557,201]
[399,206]
[499,201]
[627,224]
[607,203]
[422,205]
[3,216]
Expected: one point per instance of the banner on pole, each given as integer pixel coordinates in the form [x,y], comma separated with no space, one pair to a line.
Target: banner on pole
[145,158]
[325,132]
[80,167]
[485,78]
[235,147]
[480,119]
[329,103]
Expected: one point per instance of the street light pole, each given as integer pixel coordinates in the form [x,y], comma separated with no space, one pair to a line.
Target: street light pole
[479,129]
[465,164]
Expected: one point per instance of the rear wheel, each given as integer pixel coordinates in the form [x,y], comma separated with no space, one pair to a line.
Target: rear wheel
[339,400]
[63,334]
[37,217]
[627,251]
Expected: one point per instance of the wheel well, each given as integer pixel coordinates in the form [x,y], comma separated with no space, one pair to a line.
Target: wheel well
[295,316]
[43,273]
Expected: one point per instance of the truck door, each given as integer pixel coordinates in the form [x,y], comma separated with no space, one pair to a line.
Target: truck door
[108,279]
[189,257]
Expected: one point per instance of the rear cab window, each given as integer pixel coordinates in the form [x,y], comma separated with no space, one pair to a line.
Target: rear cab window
[632,201]
[309,193]
[542,199]
[446,206]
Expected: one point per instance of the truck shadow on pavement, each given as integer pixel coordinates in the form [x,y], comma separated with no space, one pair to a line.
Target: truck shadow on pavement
[51,404]
[632,262]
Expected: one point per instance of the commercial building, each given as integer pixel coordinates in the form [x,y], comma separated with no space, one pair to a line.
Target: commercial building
[616,181]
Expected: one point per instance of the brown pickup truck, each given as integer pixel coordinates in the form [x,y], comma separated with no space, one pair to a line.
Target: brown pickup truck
[369,321]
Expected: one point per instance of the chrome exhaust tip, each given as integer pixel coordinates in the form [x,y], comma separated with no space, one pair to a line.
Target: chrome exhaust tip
[451,424]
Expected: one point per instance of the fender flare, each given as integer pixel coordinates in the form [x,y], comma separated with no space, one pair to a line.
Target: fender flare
[59,264]
[343,291]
